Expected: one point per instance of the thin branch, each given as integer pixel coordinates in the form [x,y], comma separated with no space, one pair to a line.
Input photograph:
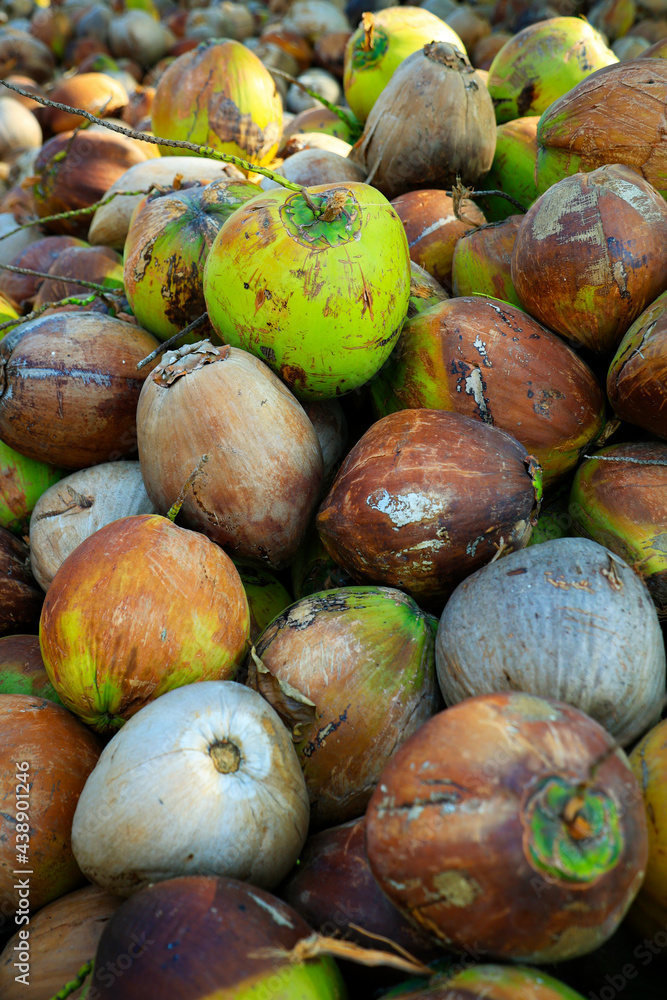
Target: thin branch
[352,124]
[156,140]
[173,511]
[104,289]
[172,340]
[78,981]
[88,210]
[71,300]
[498,194]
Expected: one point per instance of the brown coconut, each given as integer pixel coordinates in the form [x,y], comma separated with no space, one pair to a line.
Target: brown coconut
[411,141]
[590,255]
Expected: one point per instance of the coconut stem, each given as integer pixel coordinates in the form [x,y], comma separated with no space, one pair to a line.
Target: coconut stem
[333,206]
[173,511]
[69,988]
[368,24]
[172,340]
[156,140]
[71,300]
[103,289]
[88,210]
[578,827]
[226,756]
[352,123]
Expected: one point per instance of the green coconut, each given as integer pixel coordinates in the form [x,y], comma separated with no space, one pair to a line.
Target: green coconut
[542,62]
[168,241]
[22,482]
[512,170]
[297,279]
[380,44]
[219,94]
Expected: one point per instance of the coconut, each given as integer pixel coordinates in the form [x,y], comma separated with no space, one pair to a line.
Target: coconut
[508,824]
[409,142]
[380,44]
[512,170]
[567,619]
[482,262]
[351,673]
[433,229]
[296,279]
[619,498]
[542,62]
[637,375]
[79,505]
[398,512]
[616,115]
[167,244]
[256,492]
[220,95]
[589,255]
[488,360]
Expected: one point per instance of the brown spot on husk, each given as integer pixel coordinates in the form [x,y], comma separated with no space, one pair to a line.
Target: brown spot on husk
[230,125]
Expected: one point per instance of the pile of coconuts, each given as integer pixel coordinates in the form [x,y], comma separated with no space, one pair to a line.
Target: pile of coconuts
[333,500]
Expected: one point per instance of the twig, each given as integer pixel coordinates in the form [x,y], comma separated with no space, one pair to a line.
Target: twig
[173,511]
[88,210]
[104,289]
[353,125]
[156,140]
[498,194]
[172,340]
[78,981]
[71,300]
[317,944]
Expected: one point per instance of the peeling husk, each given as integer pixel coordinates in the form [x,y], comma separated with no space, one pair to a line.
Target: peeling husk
[410,142]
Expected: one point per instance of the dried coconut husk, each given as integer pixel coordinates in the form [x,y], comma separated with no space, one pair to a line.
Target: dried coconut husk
[416,141]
